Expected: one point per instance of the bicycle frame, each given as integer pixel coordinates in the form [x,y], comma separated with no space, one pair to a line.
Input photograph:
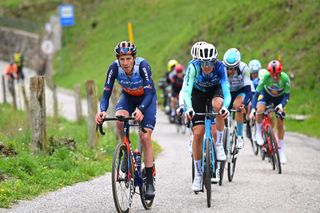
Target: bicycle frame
[267,124]
[208,136]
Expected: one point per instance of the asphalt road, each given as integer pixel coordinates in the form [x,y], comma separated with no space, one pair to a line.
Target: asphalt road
[255,188]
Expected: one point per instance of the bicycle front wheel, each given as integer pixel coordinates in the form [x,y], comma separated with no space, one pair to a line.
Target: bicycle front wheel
[207,173]
[253,139]
[122,186]
[234,155]
[275,151]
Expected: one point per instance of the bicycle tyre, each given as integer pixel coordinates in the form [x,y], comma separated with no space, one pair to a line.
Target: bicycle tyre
[147,204]
[118,177]
[221,171]
[275,151]
[255,147]
[207,174]
[234,153]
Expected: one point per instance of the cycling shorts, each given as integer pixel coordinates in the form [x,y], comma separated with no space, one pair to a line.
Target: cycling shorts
[266,99]
[199,103]
[130,103]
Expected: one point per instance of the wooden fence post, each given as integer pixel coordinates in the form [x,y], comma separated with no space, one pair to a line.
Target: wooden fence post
[12,91]
[38,114]
[4,89]
[55,104]
[77,98]
[25,98]
[92,111]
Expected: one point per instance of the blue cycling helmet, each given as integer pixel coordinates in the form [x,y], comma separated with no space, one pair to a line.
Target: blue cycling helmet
[254,66]
[232,58]
[125,48]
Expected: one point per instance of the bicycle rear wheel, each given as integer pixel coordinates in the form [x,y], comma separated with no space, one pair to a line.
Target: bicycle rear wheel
[275,151]
[122,187]
[234,155]
[207,173]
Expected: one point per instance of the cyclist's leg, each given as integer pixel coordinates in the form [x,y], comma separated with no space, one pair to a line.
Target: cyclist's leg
[124,108]
[239,118]
[217,104]
[148,124]
[261,106]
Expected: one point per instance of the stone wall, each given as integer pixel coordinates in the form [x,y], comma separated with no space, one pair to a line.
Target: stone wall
[12,40]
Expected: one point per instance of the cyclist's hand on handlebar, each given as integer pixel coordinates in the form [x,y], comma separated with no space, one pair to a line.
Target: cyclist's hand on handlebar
[243,109]
[100,116]
[252,113]
[138,115]
[279,108]
[224,112]
[179,111]
[190,113]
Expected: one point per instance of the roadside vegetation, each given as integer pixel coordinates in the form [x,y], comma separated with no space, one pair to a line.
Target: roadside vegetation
[68,160]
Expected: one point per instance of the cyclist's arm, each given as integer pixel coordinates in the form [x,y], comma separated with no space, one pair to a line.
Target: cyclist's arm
[225,86]
[258,90]
[286,89]
[148,85]
[108,86]
[187,89]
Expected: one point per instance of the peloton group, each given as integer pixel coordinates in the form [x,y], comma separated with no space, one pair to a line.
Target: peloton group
[226,84]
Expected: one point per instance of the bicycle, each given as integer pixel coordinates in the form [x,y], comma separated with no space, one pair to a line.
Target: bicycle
[127,172]
[270,148]
[230,142]
[209,163]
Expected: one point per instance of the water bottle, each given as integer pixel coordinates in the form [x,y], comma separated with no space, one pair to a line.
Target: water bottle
[138,159]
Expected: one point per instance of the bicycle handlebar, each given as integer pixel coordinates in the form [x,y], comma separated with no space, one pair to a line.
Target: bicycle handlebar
[117,118]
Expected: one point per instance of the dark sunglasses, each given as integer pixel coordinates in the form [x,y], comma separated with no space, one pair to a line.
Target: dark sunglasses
[207,63]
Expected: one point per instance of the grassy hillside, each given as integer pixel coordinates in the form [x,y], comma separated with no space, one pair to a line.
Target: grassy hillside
[286,29]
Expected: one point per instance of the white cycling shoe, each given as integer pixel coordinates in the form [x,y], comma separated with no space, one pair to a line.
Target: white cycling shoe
[239,142]
[221,155]
[282,156]
[197,183]
[259,138]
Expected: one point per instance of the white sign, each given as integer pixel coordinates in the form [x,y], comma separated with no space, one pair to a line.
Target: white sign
[47,47]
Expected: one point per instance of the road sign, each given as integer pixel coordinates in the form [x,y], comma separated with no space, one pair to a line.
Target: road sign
[47,47]
[66,13]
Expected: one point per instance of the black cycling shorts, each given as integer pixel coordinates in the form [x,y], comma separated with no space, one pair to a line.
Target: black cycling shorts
[199,102]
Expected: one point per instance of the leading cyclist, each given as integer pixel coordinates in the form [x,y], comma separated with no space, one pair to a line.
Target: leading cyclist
[206,80]
[138,97]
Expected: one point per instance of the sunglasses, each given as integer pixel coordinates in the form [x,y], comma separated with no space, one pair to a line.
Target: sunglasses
[231,68]
[207,63]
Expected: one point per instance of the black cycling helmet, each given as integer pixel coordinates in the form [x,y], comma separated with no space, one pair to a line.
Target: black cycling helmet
[125,48]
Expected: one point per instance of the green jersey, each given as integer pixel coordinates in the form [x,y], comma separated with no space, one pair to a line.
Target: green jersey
[275,89]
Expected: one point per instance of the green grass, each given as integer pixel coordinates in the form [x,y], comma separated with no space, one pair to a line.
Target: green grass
[32,174]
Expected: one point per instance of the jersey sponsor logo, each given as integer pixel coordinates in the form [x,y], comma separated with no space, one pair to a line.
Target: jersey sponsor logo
[134,92]
[145,73]
[109,76]
[260,97]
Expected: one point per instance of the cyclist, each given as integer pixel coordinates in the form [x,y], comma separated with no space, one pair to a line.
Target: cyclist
[11,71]
[274,88]
[138,97]
[166,87]
[206,80]
[254,66]
[176,80]
[18,60]
[240,87]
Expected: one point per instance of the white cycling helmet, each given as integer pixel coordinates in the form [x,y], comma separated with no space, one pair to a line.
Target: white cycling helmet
[195,49]
[254,66]
[207,52]
[262,72]
[232,58]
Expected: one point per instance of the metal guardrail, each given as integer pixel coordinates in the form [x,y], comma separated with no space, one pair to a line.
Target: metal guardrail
[21,24]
